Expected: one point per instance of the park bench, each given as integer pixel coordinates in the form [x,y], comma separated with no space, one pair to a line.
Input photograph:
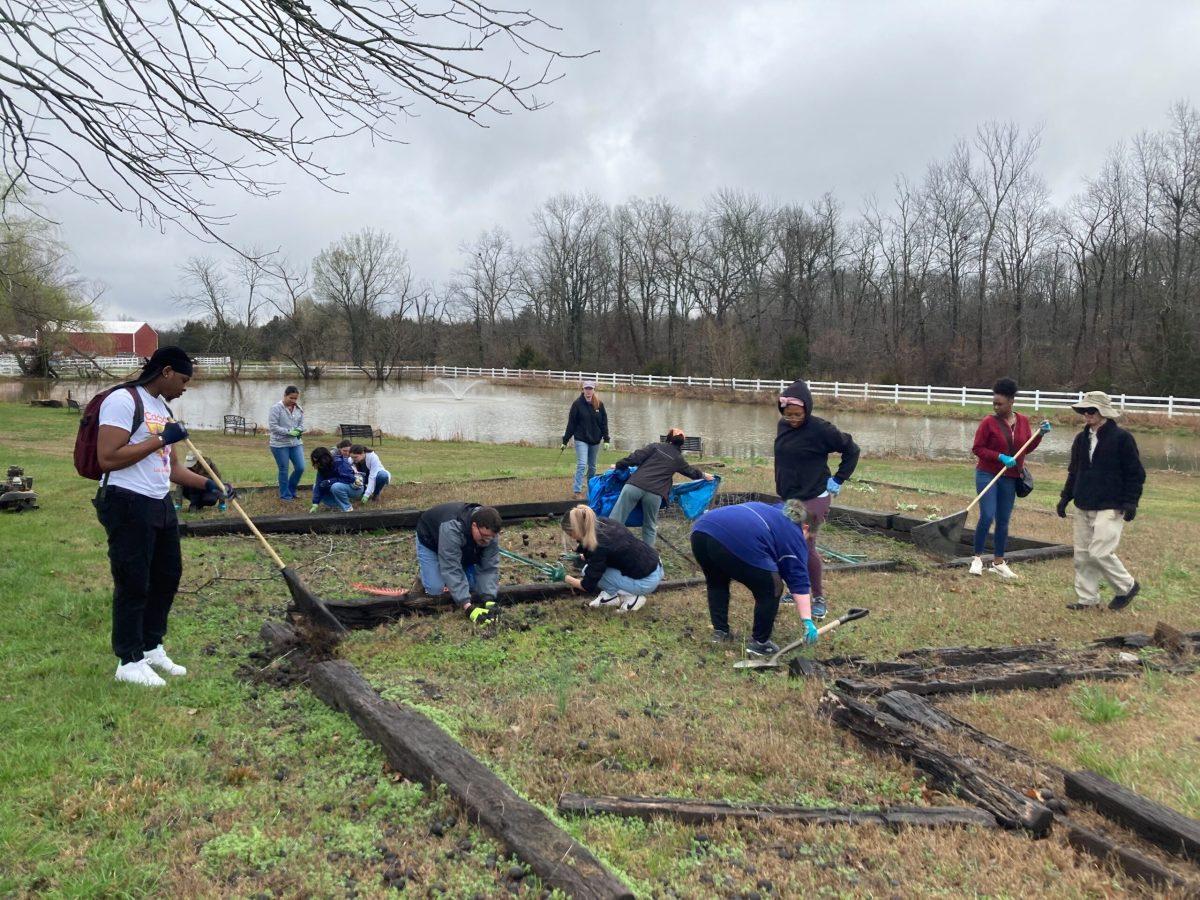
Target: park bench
[239,425]
[690,444]
[362,431]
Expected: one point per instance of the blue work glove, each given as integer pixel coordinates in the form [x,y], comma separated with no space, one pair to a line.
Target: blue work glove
[225,491]
[1007,460]
[833,486]
[173,433]
[810,632]
[1044,428]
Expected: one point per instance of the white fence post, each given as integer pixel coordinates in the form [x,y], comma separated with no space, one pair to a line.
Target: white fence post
[866,390]
[835,389]
[964,396]
[1037,400]
[896,394]
[1171,406]
[928,394]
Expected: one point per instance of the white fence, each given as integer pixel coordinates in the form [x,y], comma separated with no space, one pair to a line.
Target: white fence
[891,393]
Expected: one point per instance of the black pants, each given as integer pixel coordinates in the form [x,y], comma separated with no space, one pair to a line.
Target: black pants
[720,568]
[143,552]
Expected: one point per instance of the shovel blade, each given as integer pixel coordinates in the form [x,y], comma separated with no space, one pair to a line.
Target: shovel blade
[757,664]
[941,536]
[310,604]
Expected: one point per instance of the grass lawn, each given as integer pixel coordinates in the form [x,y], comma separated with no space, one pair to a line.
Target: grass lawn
[220,785]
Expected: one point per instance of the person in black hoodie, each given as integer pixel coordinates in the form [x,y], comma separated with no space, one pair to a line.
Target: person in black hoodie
[1104,478]
[623,568]
[587,423]
[803,443]
[650,485]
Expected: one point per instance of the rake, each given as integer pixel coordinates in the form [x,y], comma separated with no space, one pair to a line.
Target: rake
[553,572]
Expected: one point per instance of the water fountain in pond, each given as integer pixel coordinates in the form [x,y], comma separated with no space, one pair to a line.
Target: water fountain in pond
[457,388]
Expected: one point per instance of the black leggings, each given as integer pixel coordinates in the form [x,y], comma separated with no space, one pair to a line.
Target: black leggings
[720,568]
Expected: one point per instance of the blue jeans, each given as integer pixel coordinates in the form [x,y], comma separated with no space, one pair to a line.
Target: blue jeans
[585,459]
[630,497]
[382,480]
[996,506]
[431,573]
[614,580]
[340,494]
[284,455]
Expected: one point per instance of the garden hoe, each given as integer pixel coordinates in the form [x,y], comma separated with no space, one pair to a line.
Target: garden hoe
[773,662]
[553,572]
[941,536]
[306,601]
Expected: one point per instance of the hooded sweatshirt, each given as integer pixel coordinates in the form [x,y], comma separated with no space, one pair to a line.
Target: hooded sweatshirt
[802,454]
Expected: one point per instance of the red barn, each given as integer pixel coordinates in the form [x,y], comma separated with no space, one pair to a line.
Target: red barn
[116,339]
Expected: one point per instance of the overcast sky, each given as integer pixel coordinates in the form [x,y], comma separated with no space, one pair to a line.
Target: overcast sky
[784,99]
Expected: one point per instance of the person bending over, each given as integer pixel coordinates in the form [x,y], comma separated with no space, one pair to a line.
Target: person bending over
[336,483]
[757,545]
[458,553]
[650,485]
[371,469]
[623,568]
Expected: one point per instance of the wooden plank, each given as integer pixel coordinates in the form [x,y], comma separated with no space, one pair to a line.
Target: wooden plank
[973,656]
[1045,550]
[948,771]
[1029,679]
[1161,825]
[702,811]
[869,518]
[420,750]
[1128,860]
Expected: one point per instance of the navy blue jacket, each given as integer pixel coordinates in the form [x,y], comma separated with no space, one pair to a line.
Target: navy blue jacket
[760,535]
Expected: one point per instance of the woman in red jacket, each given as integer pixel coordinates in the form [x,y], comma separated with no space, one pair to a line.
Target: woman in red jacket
[997,439]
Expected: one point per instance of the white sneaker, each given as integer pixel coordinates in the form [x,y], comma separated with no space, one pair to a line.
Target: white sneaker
[976,566]
[605,599]
[139,673]
[630,603]
[1003,570]
[158,659]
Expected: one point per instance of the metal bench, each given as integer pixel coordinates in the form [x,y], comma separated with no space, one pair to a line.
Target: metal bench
[361,431]
[690,444]
[239,425]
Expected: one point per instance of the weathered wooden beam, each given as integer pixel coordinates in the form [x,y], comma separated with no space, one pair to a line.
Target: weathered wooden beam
[1043,550]
[973,656]
[702,811]
[953,774]
[420,750]
[1126,859]
[1161,825]
[1029,679]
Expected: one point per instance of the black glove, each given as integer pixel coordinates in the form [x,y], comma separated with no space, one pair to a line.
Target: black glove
[225,491]
[173,433]
[1062,507]
[1130,511]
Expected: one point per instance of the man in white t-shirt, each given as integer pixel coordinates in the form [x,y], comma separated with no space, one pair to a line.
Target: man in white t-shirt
[135,450]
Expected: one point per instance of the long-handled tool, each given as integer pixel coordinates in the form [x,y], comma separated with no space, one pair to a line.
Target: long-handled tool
[553,572]
[941,536]
[306,601]
[772,662]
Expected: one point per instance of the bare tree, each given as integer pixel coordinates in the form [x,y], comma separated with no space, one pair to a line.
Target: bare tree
[305,338]
[231,310]
[143,108]
[486,287]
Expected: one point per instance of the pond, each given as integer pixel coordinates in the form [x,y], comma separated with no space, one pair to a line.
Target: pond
[446,409]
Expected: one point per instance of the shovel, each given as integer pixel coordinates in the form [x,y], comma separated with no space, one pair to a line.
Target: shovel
[306,601]
[772,662]
[941,536]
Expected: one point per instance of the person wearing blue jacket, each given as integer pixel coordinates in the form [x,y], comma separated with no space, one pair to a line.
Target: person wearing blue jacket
[757,545]
[337,482]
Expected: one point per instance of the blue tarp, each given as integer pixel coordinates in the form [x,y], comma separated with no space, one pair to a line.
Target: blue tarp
[692,497]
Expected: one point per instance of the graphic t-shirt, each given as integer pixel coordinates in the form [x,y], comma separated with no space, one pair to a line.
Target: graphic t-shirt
[151,477]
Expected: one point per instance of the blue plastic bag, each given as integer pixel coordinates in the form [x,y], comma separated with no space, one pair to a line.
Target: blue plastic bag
[692,497]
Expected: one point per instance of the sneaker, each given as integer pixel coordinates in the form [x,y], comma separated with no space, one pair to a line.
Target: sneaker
[158,659]
[1121,601]
[722,637]
[762,648]
[976,567]
[1003,570]
[604,598]
[630,603]
[138,673]
[1080,605]
[819,608]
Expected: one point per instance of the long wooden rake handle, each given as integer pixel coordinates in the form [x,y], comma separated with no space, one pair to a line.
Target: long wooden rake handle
[1000,474]
[237,506]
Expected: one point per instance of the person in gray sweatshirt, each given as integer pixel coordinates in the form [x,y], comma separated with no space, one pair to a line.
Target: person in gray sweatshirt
[285,425]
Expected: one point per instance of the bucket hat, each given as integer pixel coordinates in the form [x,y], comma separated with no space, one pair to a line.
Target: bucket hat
[1100,401]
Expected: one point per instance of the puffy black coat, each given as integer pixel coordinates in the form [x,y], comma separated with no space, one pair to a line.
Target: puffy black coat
[1112,478]
[802,454]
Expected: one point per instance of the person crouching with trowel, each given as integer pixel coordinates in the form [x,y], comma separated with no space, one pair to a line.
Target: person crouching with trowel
[458,553]
[803,443]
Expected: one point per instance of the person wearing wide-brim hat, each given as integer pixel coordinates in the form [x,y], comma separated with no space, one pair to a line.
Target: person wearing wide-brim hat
[1105,479]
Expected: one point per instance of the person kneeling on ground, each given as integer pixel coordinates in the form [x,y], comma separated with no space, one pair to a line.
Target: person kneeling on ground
[623,568]
[458,553]
[1105,479]
[650,485]
[337,482]
[755,544]
[200,497]
[369,467]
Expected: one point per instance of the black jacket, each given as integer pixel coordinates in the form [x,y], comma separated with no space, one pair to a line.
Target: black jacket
[446,529]
[802,454]
[586,425]
[656,466]
[1112,478]
[617,548]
